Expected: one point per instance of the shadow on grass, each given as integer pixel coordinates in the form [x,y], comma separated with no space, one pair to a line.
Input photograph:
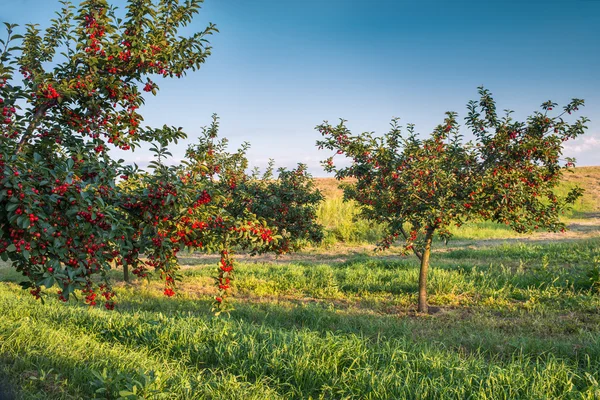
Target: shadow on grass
[6,392]
[494,334]
[585,215]
[184,329]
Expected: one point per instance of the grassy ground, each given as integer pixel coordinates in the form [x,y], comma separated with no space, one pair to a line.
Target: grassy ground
[512,318]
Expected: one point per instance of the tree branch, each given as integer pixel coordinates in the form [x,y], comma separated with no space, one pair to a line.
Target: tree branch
[34,123]
[417,252]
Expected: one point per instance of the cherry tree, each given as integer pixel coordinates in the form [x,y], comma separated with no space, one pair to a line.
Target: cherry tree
[419,187]
[68,94]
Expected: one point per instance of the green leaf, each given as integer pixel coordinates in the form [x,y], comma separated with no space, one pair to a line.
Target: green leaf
[26,284]
[68,290]
[48,282]
[11,248]
[23,222]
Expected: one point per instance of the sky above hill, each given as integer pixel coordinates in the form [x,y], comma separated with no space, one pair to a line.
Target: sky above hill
[281,67]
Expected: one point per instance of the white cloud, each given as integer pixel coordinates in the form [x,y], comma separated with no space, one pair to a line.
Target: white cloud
[583,145]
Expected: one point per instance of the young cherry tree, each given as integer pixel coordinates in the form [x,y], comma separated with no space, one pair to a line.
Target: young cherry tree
[289,203]
[256,214]
[421,187]
[67,95]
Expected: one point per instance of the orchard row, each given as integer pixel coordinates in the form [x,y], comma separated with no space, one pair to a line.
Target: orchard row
[69,212]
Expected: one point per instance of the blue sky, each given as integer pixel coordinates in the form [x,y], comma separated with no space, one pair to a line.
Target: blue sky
[280,67]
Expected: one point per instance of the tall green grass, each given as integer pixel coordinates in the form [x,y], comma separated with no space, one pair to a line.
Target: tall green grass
[585,204]
[343,223]
[194,356]
[514,321]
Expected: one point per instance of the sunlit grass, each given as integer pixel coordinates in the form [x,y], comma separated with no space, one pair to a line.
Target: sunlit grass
[343,224]
[512,321]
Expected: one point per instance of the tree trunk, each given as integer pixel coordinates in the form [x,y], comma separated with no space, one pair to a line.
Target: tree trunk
[126,272]
[422,308]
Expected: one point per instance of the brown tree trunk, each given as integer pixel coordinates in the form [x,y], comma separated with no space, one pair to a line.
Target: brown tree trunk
[126,272]
[422,308]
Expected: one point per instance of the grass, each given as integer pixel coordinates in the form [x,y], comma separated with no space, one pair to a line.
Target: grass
[524,326]
[512,318]
[343,224]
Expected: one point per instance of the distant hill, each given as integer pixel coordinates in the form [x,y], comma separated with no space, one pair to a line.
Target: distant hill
[589,179]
